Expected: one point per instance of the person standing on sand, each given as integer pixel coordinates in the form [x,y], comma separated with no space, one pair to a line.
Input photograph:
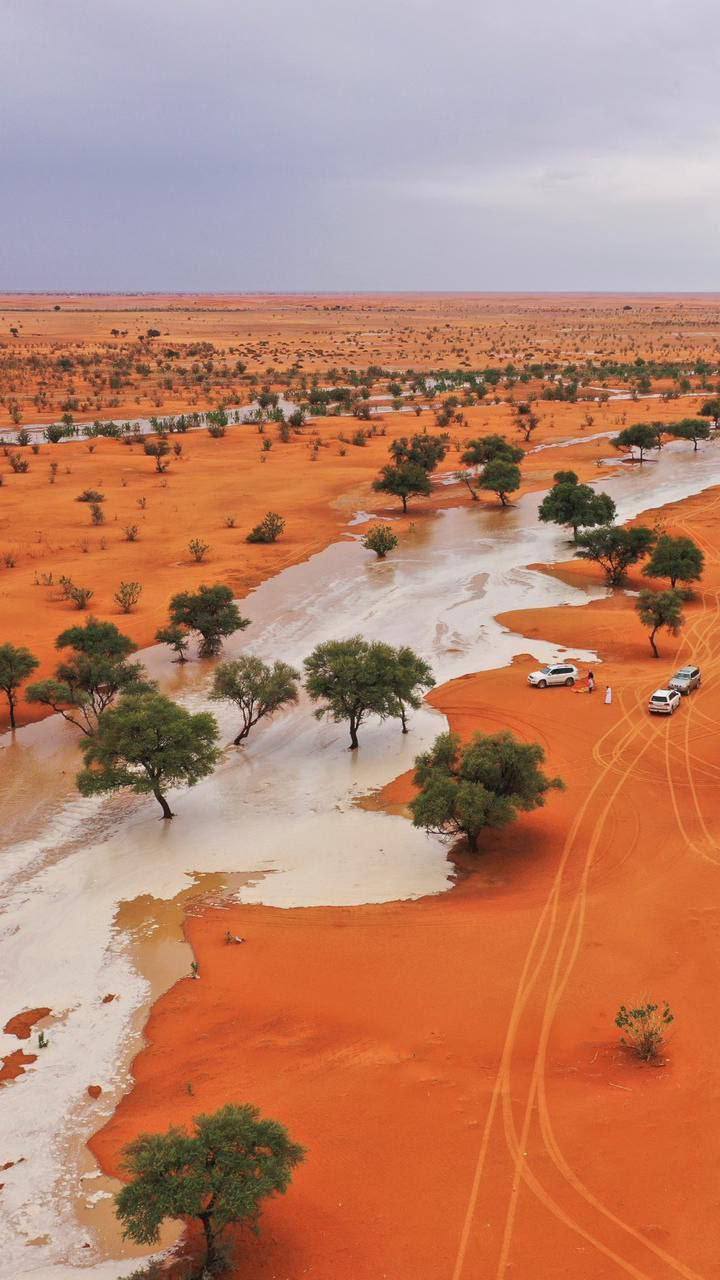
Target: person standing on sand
[590,682]
[608,696]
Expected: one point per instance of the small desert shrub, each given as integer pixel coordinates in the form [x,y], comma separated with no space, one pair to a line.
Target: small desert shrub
[380,539]
[18,463]
[644,1029]
[9,559]
[127,595]
[81,596]
[230,522]
[142,503]
[97,515]
[268,530]
[35,448]
[88,495]
[217,430]
[198,549]
[53,471]
[266,444]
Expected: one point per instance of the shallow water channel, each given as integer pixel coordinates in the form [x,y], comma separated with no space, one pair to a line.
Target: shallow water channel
[94,890]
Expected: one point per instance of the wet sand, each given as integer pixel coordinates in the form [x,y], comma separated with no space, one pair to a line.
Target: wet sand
[452,1064]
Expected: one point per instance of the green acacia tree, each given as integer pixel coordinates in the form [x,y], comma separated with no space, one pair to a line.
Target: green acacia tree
[465,788]
[16,664]
[356,678]
[615,549]
[422,450]
[404,480]
[660,610]
[148,743]
[575,505]
[177,638]
[92,676]
[642,436]
[211,612]
[256,689]
[408,680]
[220,1174]
[484,449]
[679,559]
[689,429]
[711,409]
[500,477]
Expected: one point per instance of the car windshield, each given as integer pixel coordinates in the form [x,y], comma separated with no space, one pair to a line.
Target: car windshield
[684,673]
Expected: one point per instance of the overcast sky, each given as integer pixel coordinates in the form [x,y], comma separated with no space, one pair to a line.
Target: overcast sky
[359,144]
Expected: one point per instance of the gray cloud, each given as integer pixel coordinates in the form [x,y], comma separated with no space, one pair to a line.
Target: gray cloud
[471,144]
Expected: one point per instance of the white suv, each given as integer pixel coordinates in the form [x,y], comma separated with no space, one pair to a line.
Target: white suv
[556,673]
[664,702]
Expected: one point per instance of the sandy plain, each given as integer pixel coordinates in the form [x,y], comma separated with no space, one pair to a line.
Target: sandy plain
[451,1063]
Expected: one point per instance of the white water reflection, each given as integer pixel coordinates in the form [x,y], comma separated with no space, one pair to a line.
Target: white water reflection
[281,807]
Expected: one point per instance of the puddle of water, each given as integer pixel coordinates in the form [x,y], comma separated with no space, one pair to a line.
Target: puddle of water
[84,880]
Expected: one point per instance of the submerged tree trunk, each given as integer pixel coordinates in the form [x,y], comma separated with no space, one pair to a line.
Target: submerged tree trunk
[354,744]
[403,717]
[11,703]
[404,502]
[166,810]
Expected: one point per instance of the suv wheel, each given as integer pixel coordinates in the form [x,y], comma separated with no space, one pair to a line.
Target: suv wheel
[569,682]
[542,684]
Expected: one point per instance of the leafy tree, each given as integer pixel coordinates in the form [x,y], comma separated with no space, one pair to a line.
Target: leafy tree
[212,612]
[465,788]
[615,548]
[642,436]
[658,609]
[488,449]
[16,664]
[689,429]
[711,409]
[380,539]
[679,559]
[220,1174]
[268,530]
[425,451]
[500,477]
[94,674]
[527,421]
[159,450]
[177,638]
[410,676]
[403,481]
[149,743]
[356,678]
[256,688]
[574,505]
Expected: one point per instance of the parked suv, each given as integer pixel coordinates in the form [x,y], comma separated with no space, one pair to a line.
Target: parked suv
[685,680]
[664,702]
[556,673]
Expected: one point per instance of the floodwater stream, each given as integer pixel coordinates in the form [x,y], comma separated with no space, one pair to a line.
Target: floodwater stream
[94,890]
